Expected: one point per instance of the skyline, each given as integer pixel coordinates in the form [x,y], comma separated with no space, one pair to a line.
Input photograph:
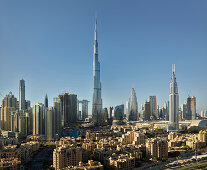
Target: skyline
[150,79]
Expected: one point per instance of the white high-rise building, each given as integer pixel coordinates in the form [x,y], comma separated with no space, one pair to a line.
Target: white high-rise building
[22,95]
[173,103]
[97,100]
[132,106]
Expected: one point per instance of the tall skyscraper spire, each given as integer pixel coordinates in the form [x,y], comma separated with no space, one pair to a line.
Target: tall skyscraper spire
[22,94]
[97,101]
[173,102]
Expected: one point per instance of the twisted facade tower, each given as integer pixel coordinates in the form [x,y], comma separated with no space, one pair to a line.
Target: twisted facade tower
[97,101]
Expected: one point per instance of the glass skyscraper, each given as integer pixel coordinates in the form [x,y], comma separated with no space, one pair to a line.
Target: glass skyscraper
[97,100]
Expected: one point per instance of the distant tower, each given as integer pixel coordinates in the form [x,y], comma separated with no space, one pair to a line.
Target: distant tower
[46,101]
[173,102]
[147,111]
[50,123]
[97,101]
[38,119]
[22,95]
[9,105]
[132,106]
[191,107]
[58,116]
[69,104]
[84,112]
[153,106]
[118,115]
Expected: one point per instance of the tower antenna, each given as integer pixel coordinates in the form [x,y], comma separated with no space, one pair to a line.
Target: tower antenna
[172,68]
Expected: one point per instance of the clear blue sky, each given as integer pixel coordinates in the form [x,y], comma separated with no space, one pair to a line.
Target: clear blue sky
[50,44]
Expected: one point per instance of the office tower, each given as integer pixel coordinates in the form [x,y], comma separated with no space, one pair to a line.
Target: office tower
[15,121]
[97,101]
[30,114]
[73,108]
[9,105]
[132,106]
[153,106]
[147,111]
[22,95]
[127,108]
[118,115]
[173,103]
[142,111]
[57,114]
[20,122]
[110,116]
[69,108]
[161,113]
[84,112]
[27,104]
[38,119]
[166,107]
[158,112]
[46,101]
[65,104]
[24,123]
[105,115]
[191,107]
[185,114]
[49,123]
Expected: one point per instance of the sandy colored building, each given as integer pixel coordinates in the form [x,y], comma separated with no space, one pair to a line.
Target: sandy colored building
[91,165]
[157,148]
[122,161]
[65,156]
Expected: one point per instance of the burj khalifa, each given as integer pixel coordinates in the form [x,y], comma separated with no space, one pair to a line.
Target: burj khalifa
[97,100]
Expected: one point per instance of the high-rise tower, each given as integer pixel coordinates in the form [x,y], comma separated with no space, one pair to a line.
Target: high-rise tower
[191,107]
[22,95]
[97,101]
[132,106]
[153,106]
[173,102]
[46,101]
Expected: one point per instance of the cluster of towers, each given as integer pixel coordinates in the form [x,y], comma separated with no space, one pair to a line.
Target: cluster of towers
[18,116]
[41,119]
[15,115]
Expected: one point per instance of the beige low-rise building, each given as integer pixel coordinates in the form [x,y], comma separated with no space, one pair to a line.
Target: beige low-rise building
[133,137]
[11,164]
[65,156]
[10,152]
[91,165]
[28,149]
[195,144]
[202,135]
[157,148]
[122,161]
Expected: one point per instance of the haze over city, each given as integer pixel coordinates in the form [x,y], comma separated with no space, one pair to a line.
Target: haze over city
[50,45]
